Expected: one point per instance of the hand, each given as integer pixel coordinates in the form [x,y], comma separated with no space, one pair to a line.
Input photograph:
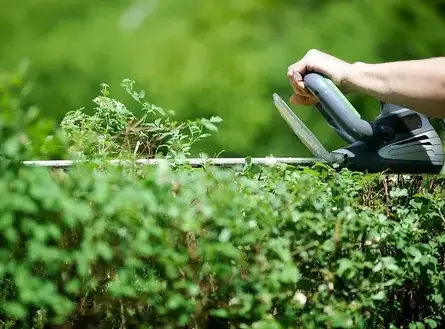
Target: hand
[315,61]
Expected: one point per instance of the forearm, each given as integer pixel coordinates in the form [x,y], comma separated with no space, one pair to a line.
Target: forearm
[417,84]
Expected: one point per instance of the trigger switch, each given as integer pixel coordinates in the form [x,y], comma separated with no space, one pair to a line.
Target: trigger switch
[386,133]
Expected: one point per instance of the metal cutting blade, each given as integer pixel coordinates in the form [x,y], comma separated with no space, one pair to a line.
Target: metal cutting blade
[302,131]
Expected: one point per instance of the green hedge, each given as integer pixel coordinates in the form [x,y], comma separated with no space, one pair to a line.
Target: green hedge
[125,246]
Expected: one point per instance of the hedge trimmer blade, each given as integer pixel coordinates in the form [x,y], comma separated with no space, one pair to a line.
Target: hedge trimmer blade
[303,132]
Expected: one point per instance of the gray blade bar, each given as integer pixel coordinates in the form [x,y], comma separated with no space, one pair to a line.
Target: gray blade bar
[303,132]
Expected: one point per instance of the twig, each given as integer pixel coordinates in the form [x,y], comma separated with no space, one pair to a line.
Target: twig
[122,326]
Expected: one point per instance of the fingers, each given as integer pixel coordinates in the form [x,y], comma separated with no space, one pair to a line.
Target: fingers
[295,75]
[298,69]
[303,100]
[301,96]
[298,84]
[296,72]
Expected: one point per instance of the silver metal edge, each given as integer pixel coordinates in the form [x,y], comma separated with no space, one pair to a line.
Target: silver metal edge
[190,161]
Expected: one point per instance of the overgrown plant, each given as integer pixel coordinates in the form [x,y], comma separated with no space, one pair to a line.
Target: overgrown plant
[113,130]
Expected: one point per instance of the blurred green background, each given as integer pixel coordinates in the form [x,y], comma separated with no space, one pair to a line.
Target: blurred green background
[210,57]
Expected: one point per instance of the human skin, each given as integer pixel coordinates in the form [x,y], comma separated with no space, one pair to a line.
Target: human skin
[415,84]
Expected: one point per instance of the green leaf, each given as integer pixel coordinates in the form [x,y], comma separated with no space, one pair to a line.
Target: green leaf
[14,309]
[73,286]
[340,320]
[225,235]
[378,267]
[215,119]
[437,298]
[290,274]
[209,125]
[220,313]
[104,250]
[398,192]
[431,323]
[416,253]
[378,296]
[266,324]
[343,266]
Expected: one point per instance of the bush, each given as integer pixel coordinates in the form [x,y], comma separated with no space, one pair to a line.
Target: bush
[127,246]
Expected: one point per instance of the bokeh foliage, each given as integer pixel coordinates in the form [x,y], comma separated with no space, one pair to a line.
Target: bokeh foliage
[205,58]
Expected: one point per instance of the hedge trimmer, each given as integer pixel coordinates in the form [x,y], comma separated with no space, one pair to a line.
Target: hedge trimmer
[399,140]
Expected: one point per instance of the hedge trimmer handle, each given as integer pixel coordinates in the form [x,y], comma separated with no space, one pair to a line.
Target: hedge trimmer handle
[337,109]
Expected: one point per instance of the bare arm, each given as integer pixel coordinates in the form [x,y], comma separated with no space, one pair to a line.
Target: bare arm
[416,84]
